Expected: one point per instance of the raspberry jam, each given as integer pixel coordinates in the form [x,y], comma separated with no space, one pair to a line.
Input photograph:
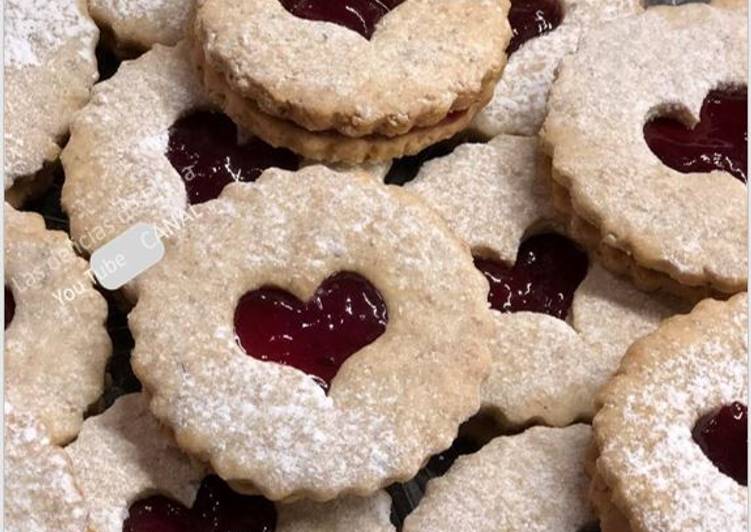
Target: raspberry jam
[10,306]
[722,435]
[345,314]
[548,270]
[205,151]
[718,142]
[532,18]
[217,509]
[361,16]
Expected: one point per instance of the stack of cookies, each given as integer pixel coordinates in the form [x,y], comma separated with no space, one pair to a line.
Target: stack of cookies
[430,265]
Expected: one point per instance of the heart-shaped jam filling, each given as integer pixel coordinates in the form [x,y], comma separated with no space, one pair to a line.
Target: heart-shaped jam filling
[216,509]
[722,435]
[345,314]
[205,150]
[532,18]
[357,15]
[547,272]
[10,306]
[718,142]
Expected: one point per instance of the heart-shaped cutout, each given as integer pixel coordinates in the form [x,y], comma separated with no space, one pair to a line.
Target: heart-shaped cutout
[345,314]
[718,142]
[532,18]
[723,437]
[357,15]
[10,306]
[205,150]
[548,270]
[216,509]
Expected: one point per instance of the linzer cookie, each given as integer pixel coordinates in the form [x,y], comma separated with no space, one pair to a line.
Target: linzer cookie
[56,345]
[149,146]
[134,478]
[49,69]
[137,25]
[544,32]
[649,160]
[355,81]
[326,358]
[671,436]
[561,323]
[40,491]
[534,481]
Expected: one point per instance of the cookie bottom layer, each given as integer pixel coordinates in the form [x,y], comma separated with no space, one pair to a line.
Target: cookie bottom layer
[331,146]
[622,263]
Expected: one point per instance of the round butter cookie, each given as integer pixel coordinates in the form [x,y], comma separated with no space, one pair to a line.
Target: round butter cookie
[312,336]
[49,68]
[134,478]
[545,31]
[56,343]
[671,435]
[531,482]
[649,146]
[359,80]
[562,323]
[40,493]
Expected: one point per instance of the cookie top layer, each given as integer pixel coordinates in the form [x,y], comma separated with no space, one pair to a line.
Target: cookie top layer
[533,481]
[124,455]
[493,196]
[118,171]
[140,24]
[426,60]
[392,404]
[519,104]
[49,69]
[594,133]
[56,346]
[40,490]
[659,477]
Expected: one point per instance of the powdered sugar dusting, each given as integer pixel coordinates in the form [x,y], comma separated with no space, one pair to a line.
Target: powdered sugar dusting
[519,104]
[55,374]
[594,132]
[36,28]
[492,195]
[40,491]
[144,23]
[660,477]
[272,425]
[534,481]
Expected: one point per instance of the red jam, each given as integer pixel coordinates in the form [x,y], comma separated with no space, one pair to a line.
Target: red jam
[548,270]
[217,509]
[722,435]
[532,18]
[205,151]
[345,314]
[10,306]
[361,16]
[718,142]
